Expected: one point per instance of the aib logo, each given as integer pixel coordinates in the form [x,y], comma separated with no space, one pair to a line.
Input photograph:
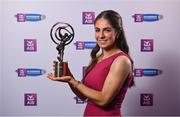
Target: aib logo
[139,72]
[81,45]
[147,45]
[146,99]
[23,72]
[79,101]
[31,17]
[88,17]
[147,17]
[30,99]
[30,45]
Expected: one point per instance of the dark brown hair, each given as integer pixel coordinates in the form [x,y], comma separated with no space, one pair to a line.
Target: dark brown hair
[115,21]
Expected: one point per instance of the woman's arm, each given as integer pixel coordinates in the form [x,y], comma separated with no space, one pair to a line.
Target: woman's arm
[119,71]
[75,91]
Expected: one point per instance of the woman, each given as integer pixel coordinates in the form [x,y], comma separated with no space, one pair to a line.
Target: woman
[109,73]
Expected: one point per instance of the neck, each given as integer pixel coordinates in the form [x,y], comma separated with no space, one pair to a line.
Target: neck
[107,53]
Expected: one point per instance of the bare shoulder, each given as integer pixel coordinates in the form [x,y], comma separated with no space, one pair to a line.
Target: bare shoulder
[121,66]
[122,60]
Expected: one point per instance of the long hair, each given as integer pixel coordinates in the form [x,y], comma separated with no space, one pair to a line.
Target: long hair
[115,21]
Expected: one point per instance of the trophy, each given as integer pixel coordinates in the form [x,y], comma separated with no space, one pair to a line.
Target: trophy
[61,34]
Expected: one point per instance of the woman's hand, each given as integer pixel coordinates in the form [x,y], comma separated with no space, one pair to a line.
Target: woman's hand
[67,78]
[61,79]
[67,75]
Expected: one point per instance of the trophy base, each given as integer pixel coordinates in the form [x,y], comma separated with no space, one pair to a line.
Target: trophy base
[60,68]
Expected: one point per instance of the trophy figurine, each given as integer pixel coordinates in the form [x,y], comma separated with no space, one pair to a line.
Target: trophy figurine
[61,34]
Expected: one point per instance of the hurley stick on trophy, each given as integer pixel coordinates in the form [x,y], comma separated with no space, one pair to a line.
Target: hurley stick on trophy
[61,34]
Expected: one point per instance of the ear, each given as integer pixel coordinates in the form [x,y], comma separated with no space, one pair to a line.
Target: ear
[118,34]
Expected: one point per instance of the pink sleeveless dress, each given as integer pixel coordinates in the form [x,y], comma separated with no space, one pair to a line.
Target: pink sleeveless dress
[95,80]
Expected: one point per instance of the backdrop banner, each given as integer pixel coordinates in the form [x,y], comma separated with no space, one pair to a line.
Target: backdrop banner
[152,30]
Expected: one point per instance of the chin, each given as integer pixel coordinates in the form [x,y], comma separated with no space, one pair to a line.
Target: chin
[105,47]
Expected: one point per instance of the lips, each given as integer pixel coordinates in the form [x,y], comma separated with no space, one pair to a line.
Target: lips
[102,41]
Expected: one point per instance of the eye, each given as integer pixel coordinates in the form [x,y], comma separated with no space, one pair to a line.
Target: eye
[107,30]
[97,30]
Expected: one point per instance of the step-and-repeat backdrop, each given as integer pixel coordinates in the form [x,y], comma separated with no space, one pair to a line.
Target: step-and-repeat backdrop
[27,53]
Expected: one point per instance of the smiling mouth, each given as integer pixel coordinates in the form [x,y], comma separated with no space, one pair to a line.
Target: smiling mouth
[102,41]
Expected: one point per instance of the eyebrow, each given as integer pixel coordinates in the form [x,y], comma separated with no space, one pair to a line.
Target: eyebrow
[104,28]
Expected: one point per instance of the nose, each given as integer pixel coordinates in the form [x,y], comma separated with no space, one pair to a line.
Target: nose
[101,35]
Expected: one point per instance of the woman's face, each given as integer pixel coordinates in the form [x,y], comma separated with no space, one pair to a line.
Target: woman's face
[105,34]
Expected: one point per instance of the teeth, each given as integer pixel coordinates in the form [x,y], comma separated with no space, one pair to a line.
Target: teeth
[103,40]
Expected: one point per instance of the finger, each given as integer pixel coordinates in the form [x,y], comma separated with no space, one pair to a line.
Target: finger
[58,58]
[52,77]
[55,61]
[62,78]
[50,74]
